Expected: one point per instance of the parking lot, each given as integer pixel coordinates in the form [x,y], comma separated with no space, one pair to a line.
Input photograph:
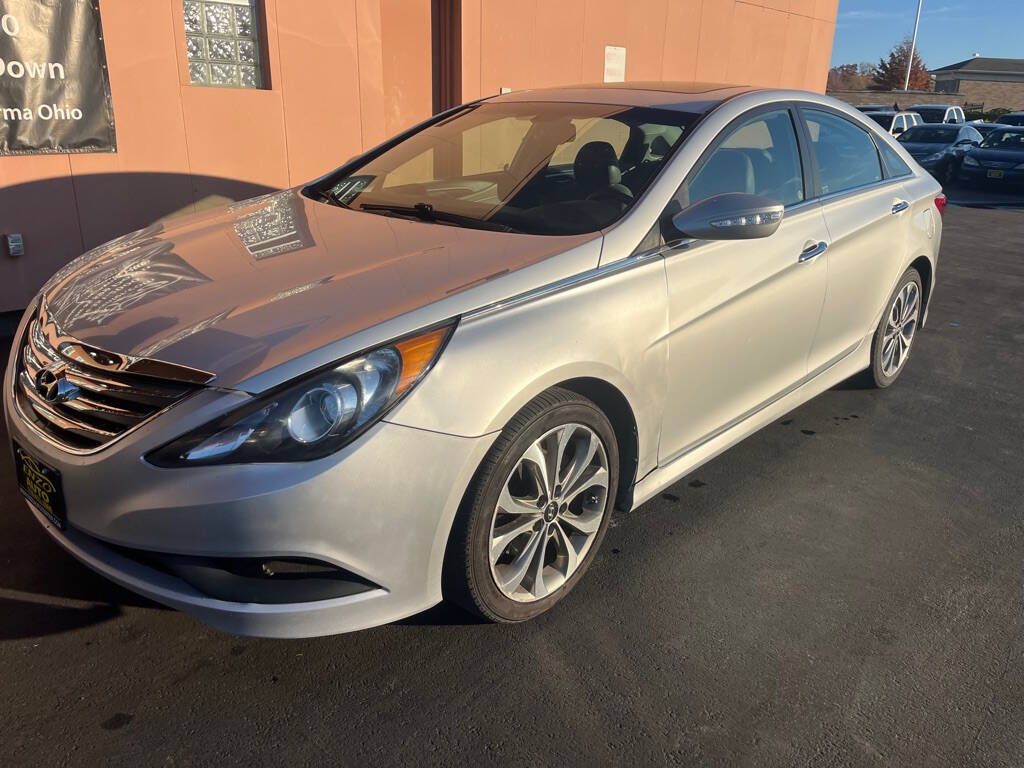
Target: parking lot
[844,587]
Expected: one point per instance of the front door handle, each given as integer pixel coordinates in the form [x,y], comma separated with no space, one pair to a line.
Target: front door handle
[902,205]
[812,251]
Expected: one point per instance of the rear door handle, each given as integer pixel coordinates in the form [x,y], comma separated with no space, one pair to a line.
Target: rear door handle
[812,251]
[902,205]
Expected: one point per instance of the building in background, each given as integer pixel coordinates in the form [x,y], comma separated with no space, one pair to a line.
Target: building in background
[217,100]
[994,83]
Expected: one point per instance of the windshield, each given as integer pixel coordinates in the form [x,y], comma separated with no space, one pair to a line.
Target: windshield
[882,119]
[926,134]
[539,168]
[1012,140]
[1011,120]
[931,114]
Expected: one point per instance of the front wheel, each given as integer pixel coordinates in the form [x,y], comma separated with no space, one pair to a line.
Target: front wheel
[897,330]
[537,511]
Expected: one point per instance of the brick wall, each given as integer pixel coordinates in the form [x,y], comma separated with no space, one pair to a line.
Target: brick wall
[992,94]
[904,98]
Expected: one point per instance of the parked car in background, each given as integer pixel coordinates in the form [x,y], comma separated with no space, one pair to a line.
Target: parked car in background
[986,128]
[1012,118]
[895,122]
[939,113]
[871,107]
[998,161]
[436,372]
[939,148]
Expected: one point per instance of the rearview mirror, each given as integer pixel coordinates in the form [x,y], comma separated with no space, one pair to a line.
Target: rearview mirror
[732,216]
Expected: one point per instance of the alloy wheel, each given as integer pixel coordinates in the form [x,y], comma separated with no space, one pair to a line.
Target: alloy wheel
[548,513]
[900,329]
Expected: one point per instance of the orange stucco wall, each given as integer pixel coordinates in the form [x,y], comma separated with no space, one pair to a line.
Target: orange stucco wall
[343,75]
[529,43]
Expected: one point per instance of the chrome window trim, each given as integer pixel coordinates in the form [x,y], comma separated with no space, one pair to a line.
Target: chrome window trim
[853,191]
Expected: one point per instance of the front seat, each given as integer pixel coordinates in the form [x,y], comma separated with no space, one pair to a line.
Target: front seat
[597,173]
[727,170]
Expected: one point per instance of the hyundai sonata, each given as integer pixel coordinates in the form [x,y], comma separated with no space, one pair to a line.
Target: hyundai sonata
[436,371]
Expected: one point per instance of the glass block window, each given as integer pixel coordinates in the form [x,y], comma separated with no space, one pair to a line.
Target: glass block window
[222,40]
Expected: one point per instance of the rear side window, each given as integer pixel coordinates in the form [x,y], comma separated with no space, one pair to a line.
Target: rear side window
[894,165]
[759,156]
[845,153]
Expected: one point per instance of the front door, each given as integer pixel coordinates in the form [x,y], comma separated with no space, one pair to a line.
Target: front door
[742,313]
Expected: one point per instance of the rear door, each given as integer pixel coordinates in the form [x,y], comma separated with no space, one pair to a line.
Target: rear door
[865,210]
[742,313]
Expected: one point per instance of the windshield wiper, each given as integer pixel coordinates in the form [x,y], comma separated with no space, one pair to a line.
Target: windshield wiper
[330,196]
[427,212]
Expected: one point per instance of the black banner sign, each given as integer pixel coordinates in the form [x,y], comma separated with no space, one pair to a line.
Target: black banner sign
[54,88]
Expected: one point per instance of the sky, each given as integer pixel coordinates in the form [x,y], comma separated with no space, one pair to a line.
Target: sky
[951,30]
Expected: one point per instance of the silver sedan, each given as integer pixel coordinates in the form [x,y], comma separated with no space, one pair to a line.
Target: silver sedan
[436,371]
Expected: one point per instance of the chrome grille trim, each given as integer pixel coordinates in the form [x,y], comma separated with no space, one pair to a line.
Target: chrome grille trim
[117,393]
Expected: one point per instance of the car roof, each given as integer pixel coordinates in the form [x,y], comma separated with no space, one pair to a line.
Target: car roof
[952,127]
[683,96]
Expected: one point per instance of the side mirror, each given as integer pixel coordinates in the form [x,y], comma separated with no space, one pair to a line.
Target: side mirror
[732,216]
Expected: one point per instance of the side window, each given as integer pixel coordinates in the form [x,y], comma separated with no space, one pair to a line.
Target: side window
[760,156]
[845,153]
[894,165]
[901,124]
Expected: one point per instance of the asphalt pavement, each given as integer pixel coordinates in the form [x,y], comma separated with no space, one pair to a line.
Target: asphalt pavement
[842,588]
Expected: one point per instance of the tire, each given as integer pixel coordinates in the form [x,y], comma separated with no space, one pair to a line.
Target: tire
[554,419]
[885,369]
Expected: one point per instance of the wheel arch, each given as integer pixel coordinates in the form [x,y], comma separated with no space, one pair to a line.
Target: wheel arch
[926,270]
[616,407]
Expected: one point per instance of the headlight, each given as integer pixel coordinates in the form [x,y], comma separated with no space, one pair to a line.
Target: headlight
[315,416]
[968,160]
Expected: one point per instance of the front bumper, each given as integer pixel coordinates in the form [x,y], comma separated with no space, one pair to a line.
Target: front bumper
[381,509]
[980,175]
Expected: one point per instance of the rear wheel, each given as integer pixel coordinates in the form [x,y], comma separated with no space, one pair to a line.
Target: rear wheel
[897,330]
[537,511]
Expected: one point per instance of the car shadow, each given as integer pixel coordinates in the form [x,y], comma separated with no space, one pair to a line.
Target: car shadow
[443,614]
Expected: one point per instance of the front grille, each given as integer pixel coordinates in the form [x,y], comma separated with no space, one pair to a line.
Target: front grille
[109,398]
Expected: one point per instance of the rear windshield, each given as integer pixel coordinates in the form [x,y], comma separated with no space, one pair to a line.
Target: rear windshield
[929,134]
[538,168]
[1013,140]
[931,114]
[882,119]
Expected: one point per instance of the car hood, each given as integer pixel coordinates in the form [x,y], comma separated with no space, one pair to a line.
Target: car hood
[242,290]
[993,155]
[921,149]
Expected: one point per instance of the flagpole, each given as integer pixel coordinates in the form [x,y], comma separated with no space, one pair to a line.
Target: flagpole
[913,45]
